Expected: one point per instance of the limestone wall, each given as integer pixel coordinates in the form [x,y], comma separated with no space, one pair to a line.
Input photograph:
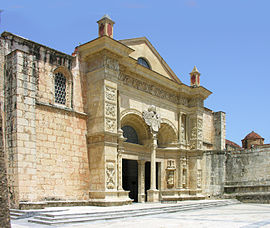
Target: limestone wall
[213,173]
[208,129]
[248,167]
[62,159]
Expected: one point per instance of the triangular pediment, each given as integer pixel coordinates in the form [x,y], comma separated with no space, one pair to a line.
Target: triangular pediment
[144,49]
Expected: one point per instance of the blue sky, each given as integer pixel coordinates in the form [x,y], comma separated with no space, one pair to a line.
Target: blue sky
[229,42]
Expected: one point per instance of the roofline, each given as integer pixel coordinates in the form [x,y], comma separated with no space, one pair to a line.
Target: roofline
[5,33]
[167,67]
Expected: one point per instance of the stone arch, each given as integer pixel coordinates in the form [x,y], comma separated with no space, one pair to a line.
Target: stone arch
[133,118]
[167,133]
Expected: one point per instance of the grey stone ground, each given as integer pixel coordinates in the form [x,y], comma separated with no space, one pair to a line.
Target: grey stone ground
[240,215]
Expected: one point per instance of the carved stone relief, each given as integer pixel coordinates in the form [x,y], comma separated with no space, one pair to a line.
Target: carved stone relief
[183,128]
[170,173]
[152,118]
[100,61]
[196,134]
[110,93]
[110,109]
[183,171]
[199,178]
[110,175]
[111,63]
[152,89]
[184,178]
[110,125]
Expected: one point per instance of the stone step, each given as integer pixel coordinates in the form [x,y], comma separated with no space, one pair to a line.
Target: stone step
[58,216]
[50,219]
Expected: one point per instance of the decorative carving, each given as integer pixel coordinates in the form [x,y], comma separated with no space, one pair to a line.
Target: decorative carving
[110,63]
[170,178]
[119,169]
[183,128]
[152,118]
[183,171]
[110,124]
[194,130]
[170,173]
[110,109]
[170,164]
[196,102]
[152,89]
[110,174]
[200,125]
[184,178]
[110,93]
[199,178]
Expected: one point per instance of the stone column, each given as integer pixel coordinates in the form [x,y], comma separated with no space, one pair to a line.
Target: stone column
[153,193]
[141,178]
[153,162]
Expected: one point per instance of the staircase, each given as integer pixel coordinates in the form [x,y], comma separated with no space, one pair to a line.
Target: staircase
[58,218]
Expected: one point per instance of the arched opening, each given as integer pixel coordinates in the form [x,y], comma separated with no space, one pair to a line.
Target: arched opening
[130,134]
[166,135]
[144,62]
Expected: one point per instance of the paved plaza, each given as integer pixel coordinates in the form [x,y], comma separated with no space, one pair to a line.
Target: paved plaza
[236,215]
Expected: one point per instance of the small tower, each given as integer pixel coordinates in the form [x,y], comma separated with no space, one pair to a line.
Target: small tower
[195,77]
[105,26]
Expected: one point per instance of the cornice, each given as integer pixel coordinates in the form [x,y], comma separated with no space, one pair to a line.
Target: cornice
[101,43]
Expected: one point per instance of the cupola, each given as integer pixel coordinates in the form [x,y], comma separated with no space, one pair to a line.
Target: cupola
[105,26]
[195,77]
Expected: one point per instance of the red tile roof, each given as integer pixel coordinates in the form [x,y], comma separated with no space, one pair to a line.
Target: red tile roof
[252,135]
[228,142]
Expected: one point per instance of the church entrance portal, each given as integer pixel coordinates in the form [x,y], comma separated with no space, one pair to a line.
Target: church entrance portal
[130,178]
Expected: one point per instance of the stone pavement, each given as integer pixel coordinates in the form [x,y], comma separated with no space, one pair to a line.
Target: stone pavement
[237,215]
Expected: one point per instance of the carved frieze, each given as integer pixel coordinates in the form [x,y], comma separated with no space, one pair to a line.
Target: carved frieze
[154,90]
[110,174]
[103,60]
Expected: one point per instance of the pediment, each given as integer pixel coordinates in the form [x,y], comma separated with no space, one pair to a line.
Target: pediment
[144,49]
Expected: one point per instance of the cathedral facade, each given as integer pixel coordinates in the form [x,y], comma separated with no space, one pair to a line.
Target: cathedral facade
[108,125]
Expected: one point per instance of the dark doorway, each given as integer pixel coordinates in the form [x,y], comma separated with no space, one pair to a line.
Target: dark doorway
[130,178]
[148,176]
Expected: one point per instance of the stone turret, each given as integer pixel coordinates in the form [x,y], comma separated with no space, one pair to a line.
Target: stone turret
[195,77]
[105,26]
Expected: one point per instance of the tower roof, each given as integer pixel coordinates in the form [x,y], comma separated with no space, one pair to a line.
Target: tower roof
[253,135]
[106,16]
[195,70]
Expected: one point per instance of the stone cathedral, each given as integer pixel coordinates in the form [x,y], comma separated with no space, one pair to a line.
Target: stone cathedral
[110,124]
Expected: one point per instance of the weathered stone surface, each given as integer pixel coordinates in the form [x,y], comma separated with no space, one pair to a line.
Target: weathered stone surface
[4,199]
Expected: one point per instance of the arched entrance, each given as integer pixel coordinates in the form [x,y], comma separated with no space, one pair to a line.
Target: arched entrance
[130,167]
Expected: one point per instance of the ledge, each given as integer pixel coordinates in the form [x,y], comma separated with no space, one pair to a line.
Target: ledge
[61,108]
